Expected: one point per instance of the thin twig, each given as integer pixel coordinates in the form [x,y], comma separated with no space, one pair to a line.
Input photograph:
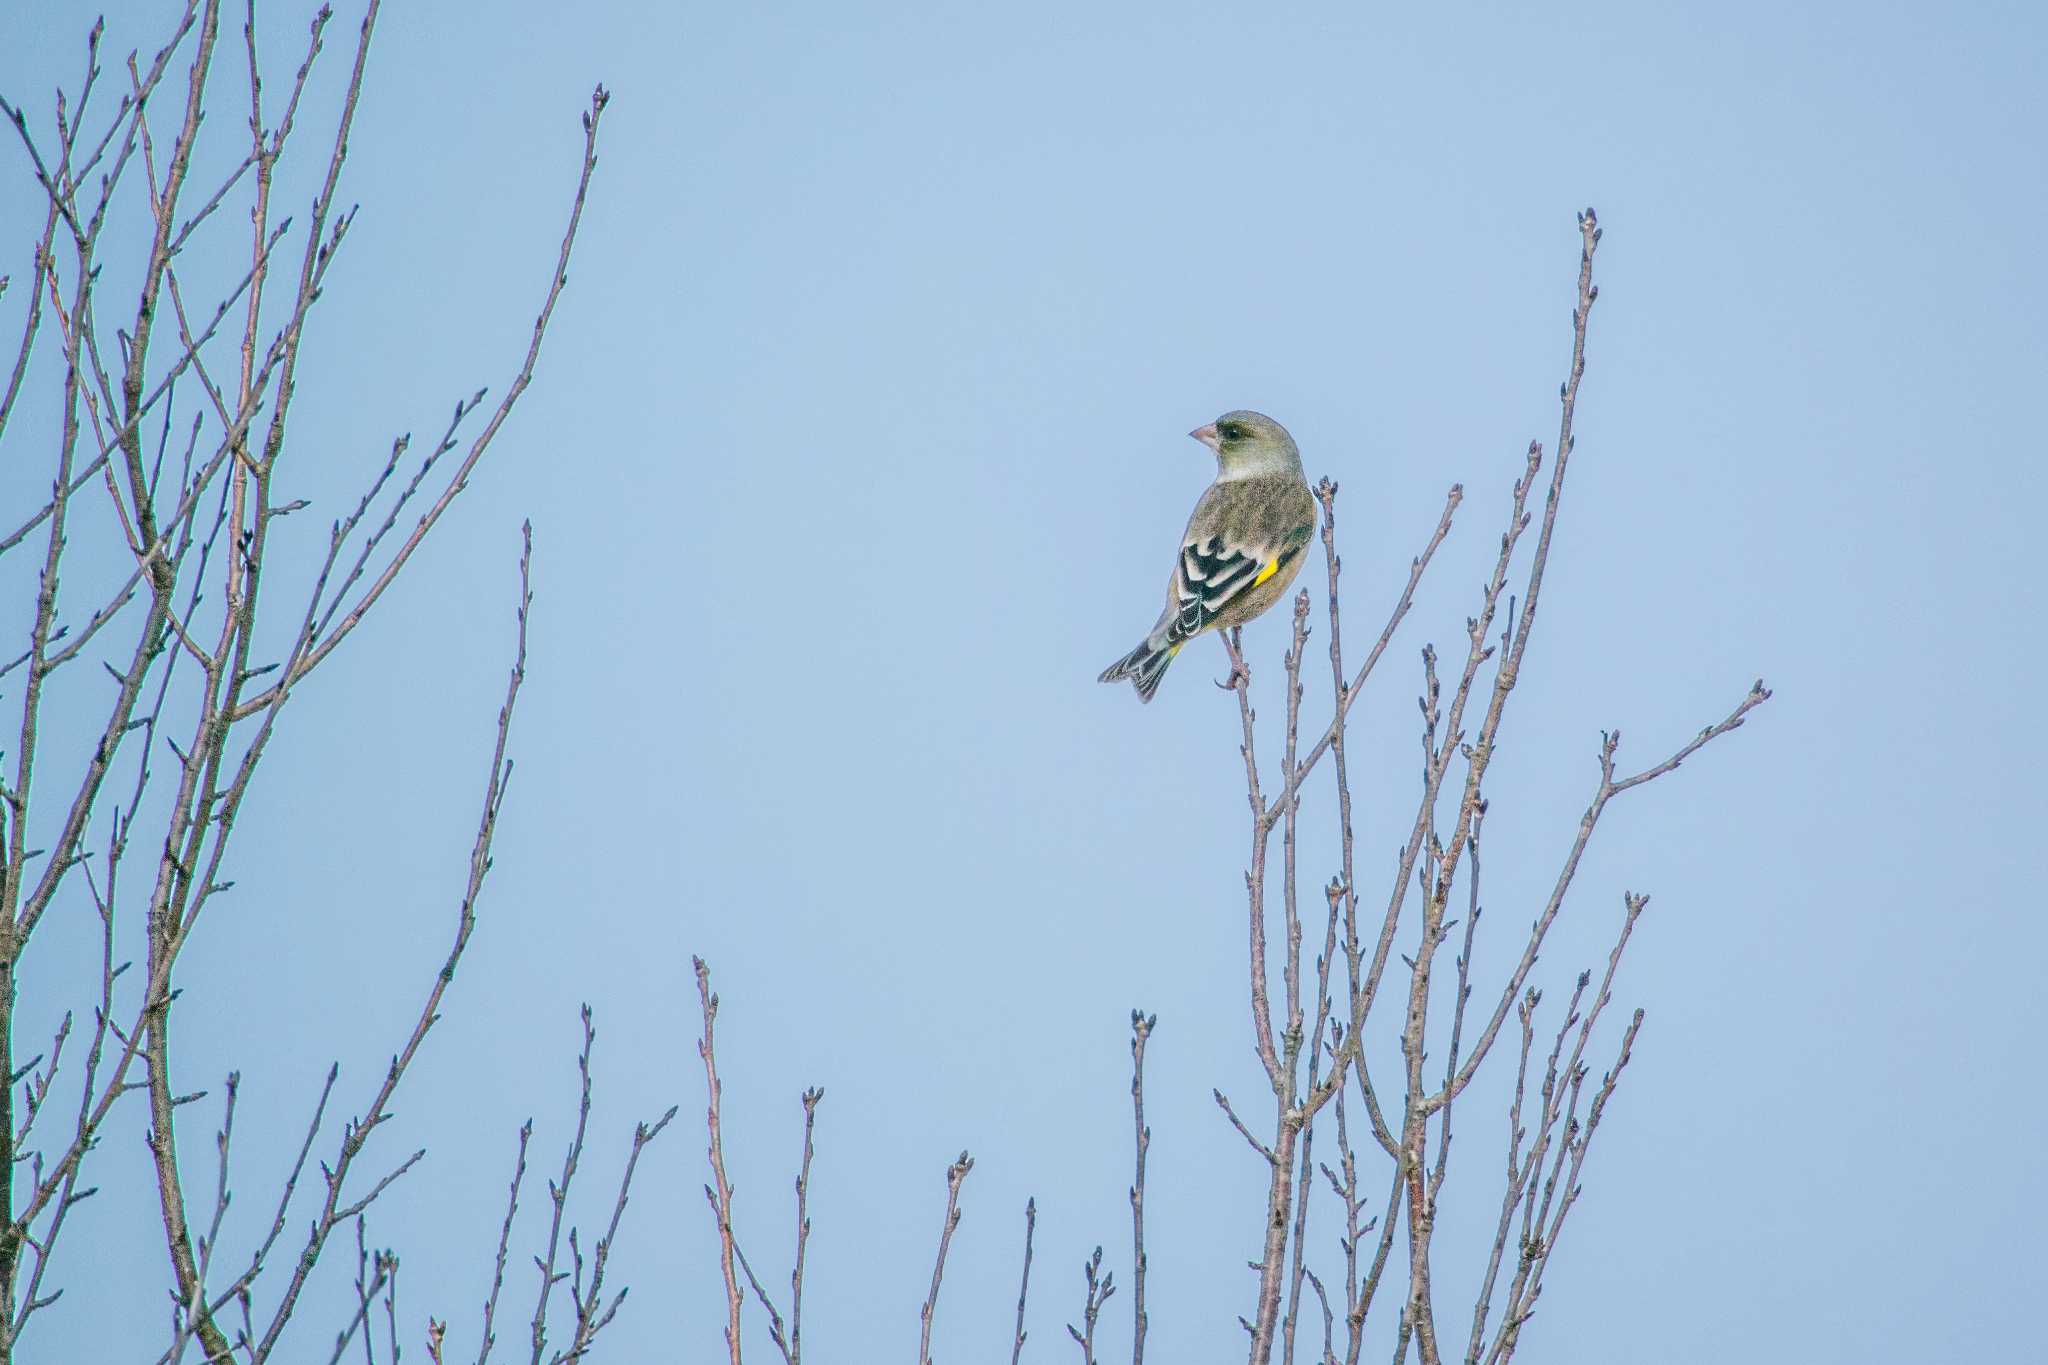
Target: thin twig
[1141,1030]
[811,1099]
[1099,1286]
[558,1198]
[955,1174]
[1257,1146]
[1024,1285]
[789,1340]
[489,1337]
[719,1192]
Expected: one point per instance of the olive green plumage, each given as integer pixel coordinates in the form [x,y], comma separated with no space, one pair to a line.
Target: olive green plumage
[1242,547]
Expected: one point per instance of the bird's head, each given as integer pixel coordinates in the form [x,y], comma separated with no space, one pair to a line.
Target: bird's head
[1248,443]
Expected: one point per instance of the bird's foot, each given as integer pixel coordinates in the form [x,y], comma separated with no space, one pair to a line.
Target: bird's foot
[1240,674]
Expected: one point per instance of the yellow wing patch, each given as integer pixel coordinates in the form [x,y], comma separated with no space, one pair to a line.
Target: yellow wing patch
[1266,573]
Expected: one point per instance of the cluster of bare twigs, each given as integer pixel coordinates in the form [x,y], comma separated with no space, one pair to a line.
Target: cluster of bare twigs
[1311,1048]
[169,458]
[1314,1066]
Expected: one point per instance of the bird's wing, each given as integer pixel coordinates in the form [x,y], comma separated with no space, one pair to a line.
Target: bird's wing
[1222,556]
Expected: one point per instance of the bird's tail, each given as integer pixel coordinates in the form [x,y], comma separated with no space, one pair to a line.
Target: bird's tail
[1144,666]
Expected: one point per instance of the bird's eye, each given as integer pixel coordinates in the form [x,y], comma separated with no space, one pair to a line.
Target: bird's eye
[1231,431]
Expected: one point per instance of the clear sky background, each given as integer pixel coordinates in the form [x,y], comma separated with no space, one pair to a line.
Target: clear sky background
[856,452]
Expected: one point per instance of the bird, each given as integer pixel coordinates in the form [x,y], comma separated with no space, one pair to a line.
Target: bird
[1242,547]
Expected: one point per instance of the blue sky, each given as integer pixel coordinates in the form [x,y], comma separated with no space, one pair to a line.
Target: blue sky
[857,450]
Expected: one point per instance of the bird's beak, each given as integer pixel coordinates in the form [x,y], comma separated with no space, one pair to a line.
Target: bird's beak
[1206,435]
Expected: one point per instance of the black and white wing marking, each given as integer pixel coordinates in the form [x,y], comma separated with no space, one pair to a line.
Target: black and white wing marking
[1211,576]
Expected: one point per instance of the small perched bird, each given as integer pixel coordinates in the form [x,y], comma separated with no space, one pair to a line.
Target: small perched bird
[1242,548]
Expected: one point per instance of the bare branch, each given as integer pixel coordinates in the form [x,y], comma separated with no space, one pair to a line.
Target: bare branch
[776,1330]
[956,1174]
[811,1099]
[1099,1286]
[558,1198]
[1240,681]
[719,1192]
[1257,1146]
[1141,1030]
[488,1337]
[790,1341]
[1024,1285]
